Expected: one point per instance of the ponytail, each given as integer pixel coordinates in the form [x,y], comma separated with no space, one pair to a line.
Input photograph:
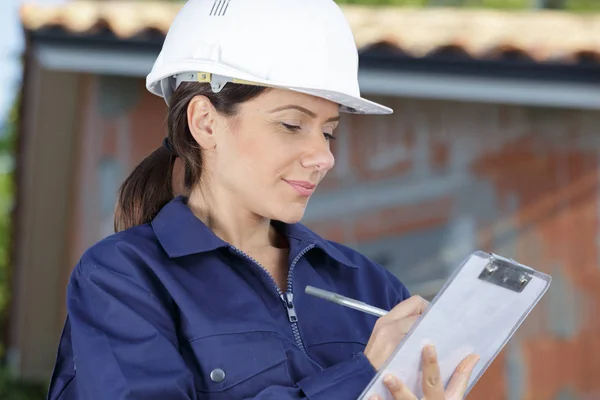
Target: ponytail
[150,186]
[146,190]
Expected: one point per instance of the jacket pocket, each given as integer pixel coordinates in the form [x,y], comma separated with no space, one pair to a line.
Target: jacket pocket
[329,353]
[239,365]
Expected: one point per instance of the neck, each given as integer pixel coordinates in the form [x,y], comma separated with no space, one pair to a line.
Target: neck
[232,223]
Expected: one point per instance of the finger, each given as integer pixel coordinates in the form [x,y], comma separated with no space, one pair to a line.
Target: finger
[398,390]
[433,389]
[460,379]
[414,305]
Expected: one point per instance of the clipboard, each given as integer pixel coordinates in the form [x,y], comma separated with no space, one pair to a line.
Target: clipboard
[477,311]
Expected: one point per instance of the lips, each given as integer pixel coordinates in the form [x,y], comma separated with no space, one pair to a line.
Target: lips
[303,188]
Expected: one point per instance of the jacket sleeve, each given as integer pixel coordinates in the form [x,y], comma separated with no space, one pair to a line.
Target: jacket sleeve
[398,292]
[124,341]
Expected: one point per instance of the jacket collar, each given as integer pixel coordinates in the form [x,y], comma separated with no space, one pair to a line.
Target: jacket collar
[181,233]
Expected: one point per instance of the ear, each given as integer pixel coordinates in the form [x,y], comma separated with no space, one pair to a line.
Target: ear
[201,121]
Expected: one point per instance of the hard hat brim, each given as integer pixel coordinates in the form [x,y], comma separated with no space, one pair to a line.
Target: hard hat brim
[352,104]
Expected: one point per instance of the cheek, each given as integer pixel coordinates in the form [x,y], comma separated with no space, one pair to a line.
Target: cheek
[244,165]
[268,153]
[249,156]
[257,158]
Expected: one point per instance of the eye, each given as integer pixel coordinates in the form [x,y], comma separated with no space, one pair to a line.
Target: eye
[296,128]
[291,128]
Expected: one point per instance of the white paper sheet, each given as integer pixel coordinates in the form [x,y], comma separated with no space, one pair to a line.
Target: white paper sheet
[469,315]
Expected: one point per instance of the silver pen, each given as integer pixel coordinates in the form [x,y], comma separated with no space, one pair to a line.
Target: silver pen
[345,301]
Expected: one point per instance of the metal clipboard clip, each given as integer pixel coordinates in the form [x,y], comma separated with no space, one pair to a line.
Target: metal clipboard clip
[506,273]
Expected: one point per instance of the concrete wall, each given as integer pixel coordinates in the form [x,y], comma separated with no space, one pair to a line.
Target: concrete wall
[417,191]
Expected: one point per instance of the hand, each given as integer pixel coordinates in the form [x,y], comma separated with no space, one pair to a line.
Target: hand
[433,388]
[391,328]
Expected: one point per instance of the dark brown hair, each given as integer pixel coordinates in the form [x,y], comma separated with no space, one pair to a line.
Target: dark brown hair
[150,185]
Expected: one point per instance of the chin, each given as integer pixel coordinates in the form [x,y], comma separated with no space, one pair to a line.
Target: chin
[290,215]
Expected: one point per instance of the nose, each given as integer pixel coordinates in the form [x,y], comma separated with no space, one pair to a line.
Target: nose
[319,156]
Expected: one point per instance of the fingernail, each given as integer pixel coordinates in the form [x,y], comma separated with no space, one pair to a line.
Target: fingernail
[430,350]
[390,381]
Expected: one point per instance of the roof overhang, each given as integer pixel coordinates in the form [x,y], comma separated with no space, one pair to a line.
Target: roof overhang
[444,83]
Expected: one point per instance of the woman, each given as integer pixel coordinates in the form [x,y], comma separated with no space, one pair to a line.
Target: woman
[201,296]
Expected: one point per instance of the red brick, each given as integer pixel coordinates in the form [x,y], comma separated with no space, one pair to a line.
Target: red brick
[440,155]
[556,363]
[492,385]
[366,142]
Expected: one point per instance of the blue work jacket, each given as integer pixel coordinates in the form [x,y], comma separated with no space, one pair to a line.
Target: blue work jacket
[168,311]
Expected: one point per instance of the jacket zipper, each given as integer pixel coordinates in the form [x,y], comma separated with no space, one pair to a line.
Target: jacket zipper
[288,297]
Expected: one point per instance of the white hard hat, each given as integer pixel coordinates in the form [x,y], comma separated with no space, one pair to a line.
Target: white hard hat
[301,45]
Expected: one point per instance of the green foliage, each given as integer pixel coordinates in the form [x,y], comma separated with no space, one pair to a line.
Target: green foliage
[582,5]
[7,147]
[571,5]
[14,389]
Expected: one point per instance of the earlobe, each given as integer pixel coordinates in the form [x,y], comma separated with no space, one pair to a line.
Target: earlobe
[200,115]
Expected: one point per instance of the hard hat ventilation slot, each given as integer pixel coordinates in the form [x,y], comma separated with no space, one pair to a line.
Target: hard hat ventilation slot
[219,8]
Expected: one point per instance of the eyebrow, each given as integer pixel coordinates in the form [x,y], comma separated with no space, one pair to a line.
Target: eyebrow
[303,110]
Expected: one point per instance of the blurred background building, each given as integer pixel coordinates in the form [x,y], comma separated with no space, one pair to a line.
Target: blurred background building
[494,145]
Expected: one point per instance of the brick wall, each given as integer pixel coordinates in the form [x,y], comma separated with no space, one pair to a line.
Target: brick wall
[419,190]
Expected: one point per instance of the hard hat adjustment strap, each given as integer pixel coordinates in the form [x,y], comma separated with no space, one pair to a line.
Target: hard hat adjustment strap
[217,82]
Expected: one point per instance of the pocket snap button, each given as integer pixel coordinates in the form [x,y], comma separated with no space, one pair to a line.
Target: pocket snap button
[217,375]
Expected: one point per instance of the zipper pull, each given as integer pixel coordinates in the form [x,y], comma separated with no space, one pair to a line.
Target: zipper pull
[288,300]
